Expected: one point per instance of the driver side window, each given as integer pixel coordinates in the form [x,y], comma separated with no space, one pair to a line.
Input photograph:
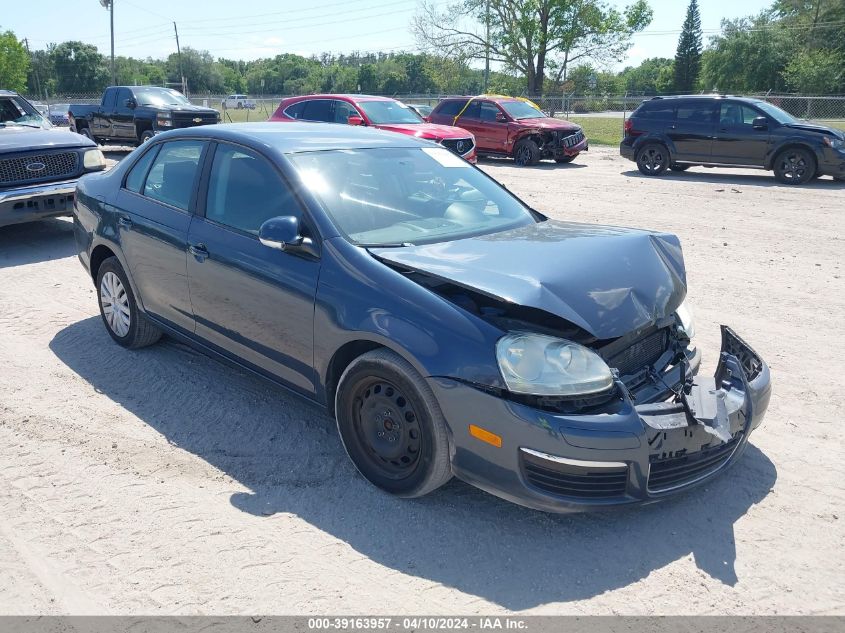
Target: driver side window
[489,111]
[173,174]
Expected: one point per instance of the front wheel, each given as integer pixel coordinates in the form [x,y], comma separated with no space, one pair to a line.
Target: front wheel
[526,153]
[653,159]
[794,166]
[564,160]
[124,321]
[391,425]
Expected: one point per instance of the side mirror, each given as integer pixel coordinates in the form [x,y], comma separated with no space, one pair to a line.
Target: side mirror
[130,103]
[280,233]
[501,118]
[760,123]
[354,119]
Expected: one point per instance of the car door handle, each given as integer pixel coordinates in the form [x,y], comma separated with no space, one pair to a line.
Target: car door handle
[199,251]
[671,127]
[125,222]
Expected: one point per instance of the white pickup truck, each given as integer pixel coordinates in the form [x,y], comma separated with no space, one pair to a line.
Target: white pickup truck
[238,102]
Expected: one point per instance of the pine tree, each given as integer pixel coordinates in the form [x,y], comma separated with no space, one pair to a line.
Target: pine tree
[688,55]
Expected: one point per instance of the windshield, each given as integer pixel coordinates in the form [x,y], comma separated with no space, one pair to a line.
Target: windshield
[521,110]
[776,113]
[159,97]
[15,110]
[400,196]
[387,112]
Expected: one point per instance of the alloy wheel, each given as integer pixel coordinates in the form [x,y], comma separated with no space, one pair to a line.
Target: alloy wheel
[115,303]
[652,159]
[793,166]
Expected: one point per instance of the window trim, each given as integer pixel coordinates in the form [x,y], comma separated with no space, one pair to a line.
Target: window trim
[153,148]
[205,181]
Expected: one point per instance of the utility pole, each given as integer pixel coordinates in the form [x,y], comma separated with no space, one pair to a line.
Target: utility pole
[487,45]
[34,69]
[109,4]
[179,56]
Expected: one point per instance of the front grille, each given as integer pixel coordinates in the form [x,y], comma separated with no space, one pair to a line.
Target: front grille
[461,146]
[37,167]
[572,139]
[640,353]
[567,480]
[191,119]
[666,473]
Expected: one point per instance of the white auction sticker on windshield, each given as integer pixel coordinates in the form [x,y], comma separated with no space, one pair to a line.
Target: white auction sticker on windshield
[445,157]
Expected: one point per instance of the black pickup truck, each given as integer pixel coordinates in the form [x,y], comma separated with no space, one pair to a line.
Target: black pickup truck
[134,114]
[39,164]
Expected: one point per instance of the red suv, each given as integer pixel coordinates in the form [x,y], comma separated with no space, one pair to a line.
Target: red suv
[505,126]
[379,112]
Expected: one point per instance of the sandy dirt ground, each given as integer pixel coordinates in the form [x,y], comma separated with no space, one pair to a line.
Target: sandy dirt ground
[160,481]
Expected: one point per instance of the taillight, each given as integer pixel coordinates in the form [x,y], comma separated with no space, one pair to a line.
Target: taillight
[627,126]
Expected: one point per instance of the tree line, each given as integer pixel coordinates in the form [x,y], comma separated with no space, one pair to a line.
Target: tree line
[537,46]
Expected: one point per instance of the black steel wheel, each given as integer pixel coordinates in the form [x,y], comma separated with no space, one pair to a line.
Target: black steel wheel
[391,425]
[653,159]
[794,166]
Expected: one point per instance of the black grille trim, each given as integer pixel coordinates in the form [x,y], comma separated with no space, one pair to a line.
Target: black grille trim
[568,480]
[572,139]
[668,473]
[62,164]
[641,353]
[452,144]
[186,119]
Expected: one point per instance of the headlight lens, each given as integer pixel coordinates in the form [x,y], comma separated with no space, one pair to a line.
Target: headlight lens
[685,318]
[543,365]
[94,159]
[164,119]
[835,143]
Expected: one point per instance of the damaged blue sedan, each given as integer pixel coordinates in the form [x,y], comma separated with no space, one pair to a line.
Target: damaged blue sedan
[449,328]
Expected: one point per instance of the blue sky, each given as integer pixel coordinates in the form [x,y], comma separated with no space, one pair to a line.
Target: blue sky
[247,30]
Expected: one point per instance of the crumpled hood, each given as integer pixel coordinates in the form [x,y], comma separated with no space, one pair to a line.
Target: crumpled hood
[821,129]
[426,130]
[20,138]
[607,280]
[548,123]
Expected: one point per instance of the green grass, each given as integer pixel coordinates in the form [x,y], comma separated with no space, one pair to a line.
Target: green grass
[600,130]
[240,116]
[835,123]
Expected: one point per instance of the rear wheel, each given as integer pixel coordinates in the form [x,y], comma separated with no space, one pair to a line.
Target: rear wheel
[653,159]
[119,310]
[794,166]
[391,425]
[679,167]
[526,153]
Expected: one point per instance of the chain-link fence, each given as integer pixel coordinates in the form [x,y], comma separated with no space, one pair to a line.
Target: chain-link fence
[820,108]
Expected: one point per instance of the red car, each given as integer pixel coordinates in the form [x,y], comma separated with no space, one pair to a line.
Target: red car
[505,126]
[379,112]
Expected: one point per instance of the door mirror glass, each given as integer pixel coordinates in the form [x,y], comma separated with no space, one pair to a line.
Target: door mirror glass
[280,232]
[354,119]
[760,123]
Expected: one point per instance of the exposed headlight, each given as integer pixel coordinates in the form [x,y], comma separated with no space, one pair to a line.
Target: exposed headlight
[547,366]
[835,143]
[164,119]
[94,159]
[685,319]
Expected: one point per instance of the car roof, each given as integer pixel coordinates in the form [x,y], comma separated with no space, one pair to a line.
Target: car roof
[8,93]
[289,138]
[345,97]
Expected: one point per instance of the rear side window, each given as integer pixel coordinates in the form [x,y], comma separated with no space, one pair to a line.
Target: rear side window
[295,111]
[245,191]
[695,112]
[655,110]
[451,108]
[171,178]
[318,110]
[135,179]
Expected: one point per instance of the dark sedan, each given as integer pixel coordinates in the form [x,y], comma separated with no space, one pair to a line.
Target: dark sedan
[448,327]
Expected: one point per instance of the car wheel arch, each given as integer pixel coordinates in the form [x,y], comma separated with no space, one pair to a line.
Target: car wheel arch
[788,144]
[645,139]
[102,251]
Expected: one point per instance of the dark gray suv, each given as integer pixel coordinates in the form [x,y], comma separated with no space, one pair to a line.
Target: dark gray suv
[726,131]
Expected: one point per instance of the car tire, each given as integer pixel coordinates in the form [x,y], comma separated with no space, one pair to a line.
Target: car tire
[794,166]
[391,425]
[123,320]
[564,160]
[679,167]
[653,159]
[526,153]
[146,135]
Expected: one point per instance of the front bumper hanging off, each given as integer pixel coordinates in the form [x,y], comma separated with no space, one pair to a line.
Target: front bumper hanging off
[624,455]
